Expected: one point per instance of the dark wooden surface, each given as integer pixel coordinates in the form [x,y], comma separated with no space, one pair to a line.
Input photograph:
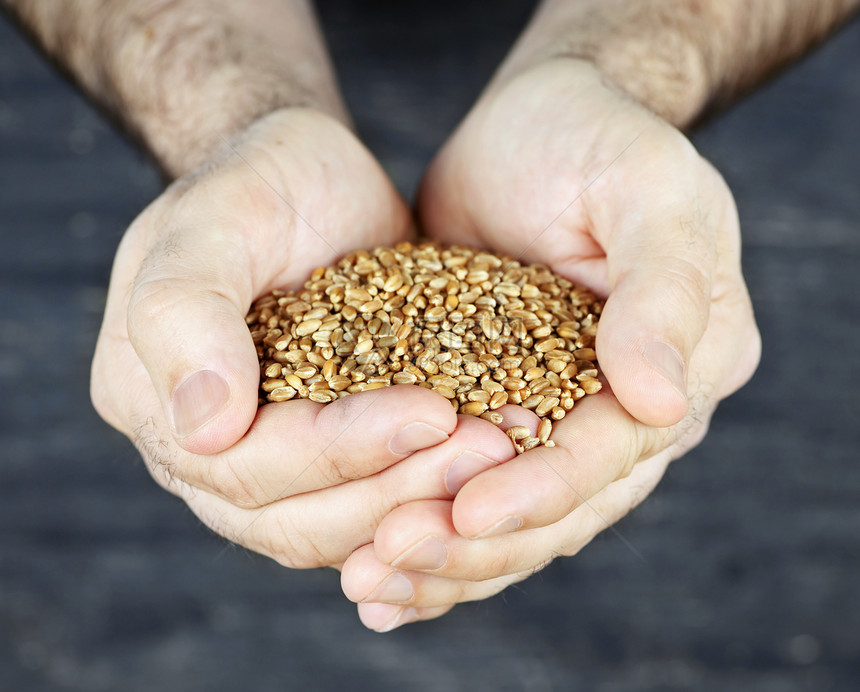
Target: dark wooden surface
[751,544]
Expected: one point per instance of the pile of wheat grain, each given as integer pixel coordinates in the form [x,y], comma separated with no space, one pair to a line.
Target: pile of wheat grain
[481,330]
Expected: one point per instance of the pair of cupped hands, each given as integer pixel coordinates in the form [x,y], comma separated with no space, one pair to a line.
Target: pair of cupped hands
[420,508]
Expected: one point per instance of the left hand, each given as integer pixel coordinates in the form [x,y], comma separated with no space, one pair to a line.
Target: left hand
[556,166]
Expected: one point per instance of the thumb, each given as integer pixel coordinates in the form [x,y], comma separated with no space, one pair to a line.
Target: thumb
[661,270]
[186,323]
[650,324]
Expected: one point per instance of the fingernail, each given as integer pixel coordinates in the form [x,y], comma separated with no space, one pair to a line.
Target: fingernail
[667,361]
[427,554]
[503,526]
[416,436]
[394,589]
[197,400]
[403,617]
[464,468]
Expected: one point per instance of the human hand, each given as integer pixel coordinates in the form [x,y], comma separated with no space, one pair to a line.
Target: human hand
[176,370]
[557,166]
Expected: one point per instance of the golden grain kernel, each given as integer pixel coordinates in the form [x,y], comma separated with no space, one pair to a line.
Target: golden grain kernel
[363,346]
[556,365]
[494,417]
[273,370]
[478,395]
[298,307]
[294,380]
[530,443]
[533,373]
[568,330]
[473,408]
[558,413]
[590,385]
[308,327]
[447,392]
[272,384]
[544,430]
[498,399]
[393,282]
[491,386]
[545,406]
[450,340]
[444,380]
[307,370]
[518,432]
[315,314]
[358,295]
[531,401]
[513,383]
[339,382]
[282,394]
[539,385]
[545,345]
[585,354]
[370,306]
[404,378]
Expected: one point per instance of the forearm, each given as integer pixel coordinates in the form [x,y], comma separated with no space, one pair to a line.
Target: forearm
[680,58]
[183,74]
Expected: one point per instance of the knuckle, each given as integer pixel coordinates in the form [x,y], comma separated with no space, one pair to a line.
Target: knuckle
[150,299]
[237,486]
[689,285]
[336,467]
[290,546]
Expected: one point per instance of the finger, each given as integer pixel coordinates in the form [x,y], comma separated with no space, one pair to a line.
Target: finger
[662,254]
[544,484]
[382,617]
[299,446]
[324,527]
[420,537]
[186,323]
[365,579]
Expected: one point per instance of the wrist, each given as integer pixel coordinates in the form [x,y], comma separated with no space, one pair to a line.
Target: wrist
[648,53]
[678,58]
[182,75]
[193,75]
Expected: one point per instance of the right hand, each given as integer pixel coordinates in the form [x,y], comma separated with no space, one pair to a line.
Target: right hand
[176,371]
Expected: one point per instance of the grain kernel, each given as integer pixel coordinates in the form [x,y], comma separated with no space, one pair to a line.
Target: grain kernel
[545,406]
[282,394]
[518,432]
[493,416]
[473,408]
[308,327]
[544,430]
